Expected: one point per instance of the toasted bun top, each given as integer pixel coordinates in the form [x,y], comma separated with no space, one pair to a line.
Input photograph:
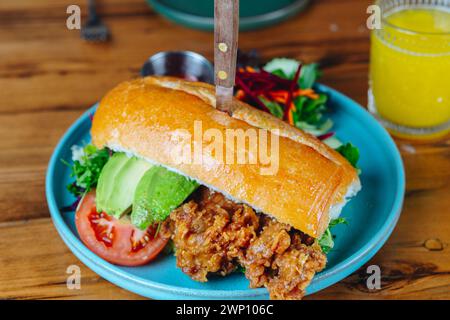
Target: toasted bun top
[150,117]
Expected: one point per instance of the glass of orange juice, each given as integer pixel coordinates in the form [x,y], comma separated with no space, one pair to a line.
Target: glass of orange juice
[410,68]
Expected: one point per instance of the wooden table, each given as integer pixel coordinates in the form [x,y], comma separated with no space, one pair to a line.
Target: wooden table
[49,77]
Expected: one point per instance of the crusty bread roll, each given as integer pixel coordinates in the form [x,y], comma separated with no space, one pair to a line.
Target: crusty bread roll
[143,117]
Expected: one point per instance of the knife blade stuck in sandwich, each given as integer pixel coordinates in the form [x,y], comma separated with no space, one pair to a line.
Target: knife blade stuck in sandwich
[226,27]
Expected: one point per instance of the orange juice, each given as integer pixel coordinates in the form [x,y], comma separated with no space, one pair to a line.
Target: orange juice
[410,70]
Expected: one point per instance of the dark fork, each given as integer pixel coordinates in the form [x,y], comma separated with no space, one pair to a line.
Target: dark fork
[94,29]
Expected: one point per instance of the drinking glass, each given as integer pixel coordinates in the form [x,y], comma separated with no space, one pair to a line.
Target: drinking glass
[410,68]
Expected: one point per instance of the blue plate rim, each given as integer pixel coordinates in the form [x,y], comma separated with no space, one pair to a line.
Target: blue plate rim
[338,272]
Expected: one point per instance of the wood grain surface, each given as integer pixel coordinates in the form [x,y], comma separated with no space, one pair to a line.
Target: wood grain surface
[49,76]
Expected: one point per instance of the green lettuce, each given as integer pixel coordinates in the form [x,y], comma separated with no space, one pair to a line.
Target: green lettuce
[326,242]
[285,68]
[88,162]
[350,152]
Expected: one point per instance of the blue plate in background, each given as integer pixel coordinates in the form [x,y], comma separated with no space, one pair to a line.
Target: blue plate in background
[253,14]
[372,214]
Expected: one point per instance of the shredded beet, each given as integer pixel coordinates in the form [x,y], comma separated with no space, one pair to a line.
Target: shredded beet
[292,87]
[248,93]
[262,81]
[326,136]
[253,84]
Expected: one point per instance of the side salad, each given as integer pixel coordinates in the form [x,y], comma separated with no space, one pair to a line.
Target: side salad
[285,88]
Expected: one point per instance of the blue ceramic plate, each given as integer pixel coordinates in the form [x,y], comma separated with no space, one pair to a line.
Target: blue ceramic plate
[372,214]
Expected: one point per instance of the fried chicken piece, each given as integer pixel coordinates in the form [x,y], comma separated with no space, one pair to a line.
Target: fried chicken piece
[280,260]
[274,238]
[215,235]
[210,234]
[295,269]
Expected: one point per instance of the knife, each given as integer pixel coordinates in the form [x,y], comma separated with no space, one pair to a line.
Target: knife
[226,26]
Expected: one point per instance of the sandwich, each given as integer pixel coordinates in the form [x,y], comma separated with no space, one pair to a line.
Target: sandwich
[165,181]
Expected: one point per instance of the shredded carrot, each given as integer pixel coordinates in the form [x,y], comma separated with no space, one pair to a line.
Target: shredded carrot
[279,93]
[313,96]
[250,69]
[280,99]
[290,113]
[280,96]
[290,118]
[306,93]
[293,107]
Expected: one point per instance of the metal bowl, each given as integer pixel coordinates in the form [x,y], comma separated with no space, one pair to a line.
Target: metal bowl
[183,64]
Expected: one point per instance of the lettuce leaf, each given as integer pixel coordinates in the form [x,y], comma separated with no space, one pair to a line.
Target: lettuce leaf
[350,152]
[309,75]
[88,162]
[282,67]
[326,242]
[274,107]
[285,68]
[310,111]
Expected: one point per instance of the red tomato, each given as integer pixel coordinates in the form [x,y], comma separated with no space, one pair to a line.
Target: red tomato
[114,240]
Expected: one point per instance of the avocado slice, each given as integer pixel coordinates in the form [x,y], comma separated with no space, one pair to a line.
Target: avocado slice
[105,181]
[117,183]
[157,194]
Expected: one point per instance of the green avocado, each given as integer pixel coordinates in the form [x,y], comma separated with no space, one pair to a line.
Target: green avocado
[157,194]
[117,183]
[105,181]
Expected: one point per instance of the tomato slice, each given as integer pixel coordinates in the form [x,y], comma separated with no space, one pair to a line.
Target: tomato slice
[116,241]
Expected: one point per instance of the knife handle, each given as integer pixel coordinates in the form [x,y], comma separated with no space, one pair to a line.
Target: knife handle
[226,25]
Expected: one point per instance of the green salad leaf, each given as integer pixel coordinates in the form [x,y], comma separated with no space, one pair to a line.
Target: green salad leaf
[326,242]
[309,75]
[310,111]
[350,152]
[274,107]
[285,68]
[88,162]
